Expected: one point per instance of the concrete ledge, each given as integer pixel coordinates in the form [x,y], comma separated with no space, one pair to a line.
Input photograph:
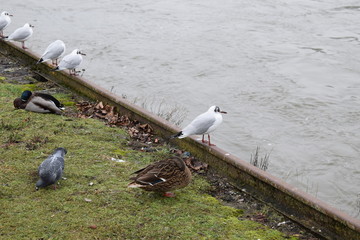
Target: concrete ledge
[299,206]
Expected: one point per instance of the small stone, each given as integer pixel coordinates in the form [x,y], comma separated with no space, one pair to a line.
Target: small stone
[93,226]
[87,200]
[91,183]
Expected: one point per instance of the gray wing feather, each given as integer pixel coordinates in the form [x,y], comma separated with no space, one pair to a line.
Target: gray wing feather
[53,51]
[38,104]
[199,125]
[51,169]
[70,62]
[20,34]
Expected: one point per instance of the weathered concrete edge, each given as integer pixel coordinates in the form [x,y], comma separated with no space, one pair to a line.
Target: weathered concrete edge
[303,208]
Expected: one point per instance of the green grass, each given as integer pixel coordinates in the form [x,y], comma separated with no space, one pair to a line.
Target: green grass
[117,212]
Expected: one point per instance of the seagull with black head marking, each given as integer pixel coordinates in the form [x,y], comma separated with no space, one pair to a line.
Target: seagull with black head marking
[203,124]
[71,62]
[21,34]
[5,20]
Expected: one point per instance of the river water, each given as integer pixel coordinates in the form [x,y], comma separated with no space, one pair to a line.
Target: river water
[287,73]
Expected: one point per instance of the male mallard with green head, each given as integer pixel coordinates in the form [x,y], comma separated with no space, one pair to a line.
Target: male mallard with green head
[38,102]
[162,176]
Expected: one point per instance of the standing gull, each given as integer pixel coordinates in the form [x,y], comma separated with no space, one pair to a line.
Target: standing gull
[50,170]
[70,61]
[5,20]
[203,124]
[21,34]
[53,52]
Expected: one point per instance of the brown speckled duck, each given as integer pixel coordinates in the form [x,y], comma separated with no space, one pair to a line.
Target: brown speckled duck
[162,176]
[38,102]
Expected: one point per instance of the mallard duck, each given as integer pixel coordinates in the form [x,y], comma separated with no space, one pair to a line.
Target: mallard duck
[71,62]
[53,52]
[38,102]
[51,169]
[21,34]
[203,124]
[162,176]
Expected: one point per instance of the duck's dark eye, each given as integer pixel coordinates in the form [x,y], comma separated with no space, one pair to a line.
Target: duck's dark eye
[217,109]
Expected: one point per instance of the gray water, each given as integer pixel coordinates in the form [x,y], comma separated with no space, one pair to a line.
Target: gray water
[287,72]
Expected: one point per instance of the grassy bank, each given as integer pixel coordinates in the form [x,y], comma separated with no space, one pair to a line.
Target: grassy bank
[93,201]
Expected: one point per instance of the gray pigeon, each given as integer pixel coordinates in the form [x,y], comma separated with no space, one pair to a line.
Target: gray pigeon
[51,169]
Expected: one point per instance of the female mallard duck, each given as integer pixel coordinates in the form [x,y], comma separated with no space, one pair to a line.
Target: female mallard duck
[38,102]
[162,176]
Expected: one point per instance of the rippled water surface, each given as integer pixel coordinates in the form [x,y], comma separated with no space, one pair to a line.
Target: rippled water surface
[287,72]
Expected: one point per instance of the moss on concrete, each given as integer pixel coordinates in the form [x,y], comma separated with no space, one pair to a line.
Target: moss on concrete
[93,202]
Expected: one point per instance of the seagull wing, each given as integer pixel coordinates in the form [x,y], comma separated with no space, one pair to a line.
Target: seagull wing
[20,34]
[70,62]
[199,125]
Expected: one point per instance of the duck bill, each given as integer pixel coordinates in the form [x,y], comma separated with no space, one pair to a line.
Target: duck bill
[223,112]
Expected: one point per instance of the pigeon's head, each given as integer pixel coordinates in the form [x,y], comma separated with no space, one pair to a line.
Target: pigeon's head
[40,184]
[26,95]
[216,109]
[61,151]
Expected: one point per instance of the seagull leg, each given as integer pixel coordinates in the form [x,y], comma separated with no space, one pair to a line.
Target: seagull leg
[210,142]
[23,45]
[203,140]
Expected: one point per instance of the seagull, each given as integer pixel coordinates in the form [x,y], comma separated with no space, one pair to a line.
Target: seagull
[203,124]
[70,61]
[21,34]
[5,20]
[53,52]
[38,102]
[51,169]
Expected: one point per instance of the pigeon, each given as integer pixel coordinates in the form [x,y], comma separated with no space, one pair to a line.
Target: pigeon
[162,176]
[21,34]
[51,170]
[203,124]
[71,61]
[53,52]
[38,102]
[5,20]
